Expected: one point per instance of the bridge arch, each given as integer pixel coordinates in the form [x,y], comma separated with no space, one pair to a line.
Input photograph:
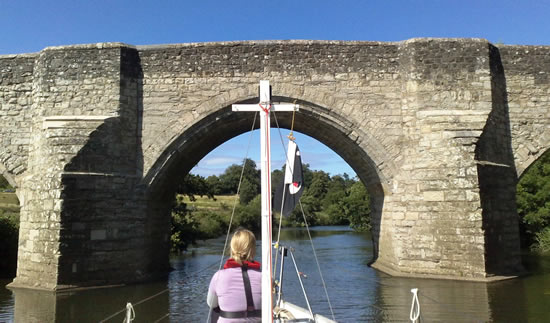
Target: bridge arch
[527,166]
[7,175]
[12,179]
[357,147]
[531,150]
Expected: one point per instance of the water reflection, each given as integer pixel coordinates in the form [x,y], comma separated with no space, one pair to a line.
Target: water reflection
[6,302]
[91,305]
[440,300]
[524,299]
[357,292]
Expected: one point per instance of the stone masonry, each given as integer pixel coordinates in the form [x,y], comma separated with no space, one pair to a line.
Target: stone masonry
[96,137]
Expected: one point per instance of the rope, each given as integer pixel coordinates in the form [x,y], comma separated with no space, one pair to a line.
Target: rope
[415,306]
[290,135]
[136,304]
[130,314]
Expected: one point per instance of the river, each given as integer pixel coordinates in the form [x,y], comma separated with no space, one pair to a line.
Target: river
[357,292]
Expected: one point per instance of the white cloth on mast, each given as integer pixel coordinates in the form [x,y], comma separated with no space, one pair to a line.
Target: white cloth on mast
[291,188]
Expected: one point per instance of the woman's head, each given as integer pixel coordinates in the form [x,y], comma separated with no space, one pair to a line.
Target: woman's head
[243,246]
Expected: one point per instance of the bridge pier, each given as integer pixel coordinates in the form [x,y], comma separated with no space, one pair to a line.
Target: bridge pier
[84,217]
[450,211]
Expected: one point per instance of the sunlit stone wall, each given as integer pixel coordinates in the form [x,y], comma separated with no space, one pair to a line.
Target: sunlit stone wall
[97,136]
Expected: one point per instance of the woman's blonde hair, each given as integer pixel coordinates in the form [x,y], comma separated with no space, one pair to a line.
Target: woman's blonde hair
[243,246]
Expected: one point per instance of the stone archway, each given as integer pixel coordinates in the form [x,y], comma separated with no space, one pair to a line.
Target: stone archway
[192,145]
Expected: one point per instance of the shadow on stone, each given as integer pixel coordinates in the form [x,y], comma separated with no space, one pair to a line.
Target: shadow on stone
[497,180]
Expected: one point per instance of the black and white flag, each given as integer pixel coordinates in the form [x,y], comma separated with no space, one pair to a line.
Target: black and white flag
[291,188]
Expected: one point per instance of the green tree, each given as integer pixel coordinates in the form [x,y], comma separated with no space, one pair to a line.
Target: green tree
[187,227]
[277,177]
[319,185]
[356,207]
[533,201]
[307,174]
[229,180]
[249,215]
[214,182]
[195,185]
[336,191]
[348,181]
[248,191]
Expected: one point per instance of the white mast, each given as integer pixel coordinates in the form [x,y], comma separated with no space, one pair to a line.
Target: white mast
[265,107]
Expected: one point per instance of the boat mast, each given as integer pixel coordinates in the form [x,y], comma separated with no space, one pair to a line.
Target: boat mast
[265,107]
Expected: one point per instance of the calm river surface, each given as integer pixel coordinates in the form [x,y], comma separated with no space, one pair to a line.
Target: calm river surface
[357,292]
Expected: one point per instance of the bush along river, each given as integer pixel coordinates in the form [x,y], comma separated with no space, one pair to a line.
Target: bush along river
[357,292]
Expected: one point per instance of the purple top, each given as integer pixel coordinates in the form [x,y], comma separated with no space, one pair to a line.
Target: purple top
[227,291]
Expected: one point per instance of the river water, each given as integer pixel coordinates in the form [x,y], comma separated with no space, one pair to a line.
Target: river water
[357,292]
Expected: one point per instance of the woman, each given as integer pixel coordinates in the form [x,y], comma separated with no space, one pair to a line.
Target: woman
[235,291]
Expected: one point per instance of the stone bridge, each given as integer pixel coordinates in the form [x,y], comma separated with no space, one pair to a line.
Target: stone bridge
[95,138]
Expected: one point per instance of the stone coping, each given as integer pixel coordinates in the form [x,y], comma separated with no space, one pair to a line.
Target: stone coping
[109,45]
[62,288]
[488,279]
[14,56]
[302,42]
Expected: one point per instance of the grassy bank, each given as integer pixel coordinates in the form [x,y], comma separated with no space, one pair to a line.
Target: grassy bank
[221,203]
[203,218]
[8,200]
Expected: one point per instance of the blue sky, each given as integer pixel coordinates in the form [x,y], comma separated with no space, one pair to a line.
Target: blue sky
[314,153]
[31,25]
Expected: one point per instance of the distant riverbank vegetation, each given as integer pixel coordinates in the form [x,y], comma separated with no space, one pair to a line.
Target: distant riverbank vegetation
[203,206]
[332,200]
[533,200]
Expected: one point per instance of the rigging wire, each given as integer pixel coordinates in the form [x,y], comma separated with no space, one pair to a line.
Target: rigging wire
[238,190]
[135,304]
[316,259]
[162,318]
[291,137]
[235,204]
[284,187]
[163,291]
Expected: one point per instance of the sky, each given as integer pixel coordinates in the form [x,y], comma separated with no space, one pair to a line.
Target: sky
[31,25]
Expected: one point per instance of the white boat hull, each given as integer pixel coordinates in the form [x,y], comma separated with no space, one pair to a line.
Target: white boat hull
[292,313]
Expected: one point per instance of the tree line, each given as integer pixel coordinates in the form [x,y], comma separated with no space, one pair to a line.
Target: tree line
[533,201]
[327,200]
